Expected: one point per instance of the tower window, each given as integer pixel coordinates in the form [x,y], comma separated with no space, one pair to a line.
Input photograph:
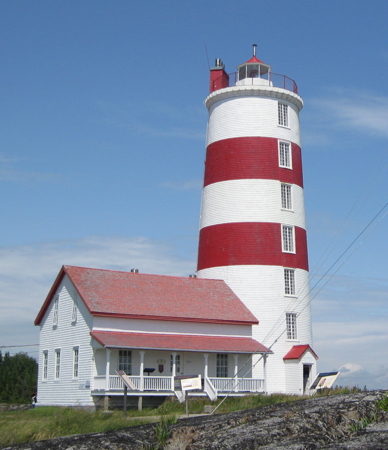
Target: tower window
[291,325]
[222,365]
[283,114]
[289,281]
[285,155]
[286,196]
[125,361]
[288,239]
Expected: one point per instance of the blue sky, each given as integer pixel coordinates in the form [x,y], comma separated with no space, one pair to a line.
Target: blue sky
[102,142]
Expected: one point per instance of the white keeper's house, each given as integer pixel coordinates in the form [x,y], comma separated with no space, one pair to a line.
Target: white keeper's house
[152,327]
[252,267]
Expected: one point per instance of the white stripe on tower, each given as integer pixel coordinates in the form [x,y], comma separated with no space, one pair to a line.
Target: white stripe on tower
[250,193]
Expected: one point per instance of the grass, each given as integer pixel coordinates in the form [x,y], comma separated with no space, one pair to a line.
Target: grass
[19,427]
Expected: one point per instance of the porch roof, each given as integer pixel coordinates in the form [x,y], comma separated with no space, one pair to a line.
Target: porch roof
[181,342]
[298,351]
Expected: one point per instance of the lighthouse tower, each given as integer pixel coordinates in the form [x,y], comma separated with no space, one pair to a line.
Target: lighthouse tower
[252,226]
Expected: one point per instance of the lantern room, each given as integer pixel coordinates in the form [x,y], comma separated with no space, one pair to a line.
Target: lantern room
[253,71]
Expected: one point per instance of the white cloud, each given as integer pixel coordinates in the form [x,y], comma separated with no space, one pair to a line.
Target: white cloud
[361,111]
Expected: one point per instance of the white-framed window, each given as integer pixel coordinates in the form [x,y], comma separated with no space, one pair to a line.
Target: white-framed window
[289,281]
[177,363]
[55,310]
[282,114]
[75,307]
[286,194]
[45,365]
[75,361]
[125,361]
[57,363]
[222,365]
[288,238]
[291,325]
[285,155]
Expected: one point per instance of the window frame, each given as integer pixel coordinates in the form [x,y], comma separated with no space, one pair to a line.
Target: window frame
[75,362]
[288,239]
[286,196]
[45,365]
[283,115]
[57,367]
[289,282]
[74,312]
[291,326]
[222,365]
[177,363]
[285,154]
[125,361]
[56,310]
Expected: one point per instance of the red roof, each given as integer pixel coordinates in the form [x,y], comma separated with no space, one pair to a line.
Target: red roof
[183,342]
[298,351]
[158,297]
[255,60]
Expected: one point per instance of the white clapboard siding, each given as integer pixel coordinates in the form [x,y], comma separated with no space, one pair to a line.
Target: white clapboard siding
[66,390]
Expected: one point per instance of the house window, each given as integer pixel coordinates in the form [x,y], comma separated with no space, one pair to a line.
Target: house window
[283,114]
[125,361]
[57,363]
[286,196]
[291,325]
[55,310]
[289,281]
[177,363]
[285,159]
[45,364]
[222,365]
[75,361]
[288,239]
[74,311]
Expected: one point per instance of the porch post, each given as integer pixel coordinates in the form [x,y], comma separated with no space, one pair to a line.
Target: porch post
[265,372]
[140,399]
[235,373]
[107,368]
[142,353]
[206,368]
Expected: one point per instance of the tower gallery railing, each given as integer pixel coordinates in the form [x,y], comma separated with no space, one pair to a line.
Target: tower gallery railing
[270,79]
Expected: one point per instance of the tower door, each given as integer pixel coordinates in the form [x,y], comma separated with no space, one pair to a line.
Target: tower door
[306,376]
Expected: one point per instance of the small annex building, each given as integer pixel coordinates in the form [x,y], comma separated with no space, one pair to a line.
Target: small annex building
[153,327]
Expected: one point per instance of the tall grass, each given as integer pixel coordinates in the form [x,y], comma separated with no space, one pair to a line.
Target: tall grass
[18,427]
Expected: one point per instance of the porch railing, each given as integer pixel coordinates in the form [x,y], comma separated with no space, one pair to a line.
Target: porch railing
[167,384]
[238,384]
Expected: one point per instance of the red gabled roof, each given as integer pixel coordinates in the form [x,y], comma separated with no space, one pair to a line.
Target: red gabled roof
[182,342]
[143,296]
[298,351]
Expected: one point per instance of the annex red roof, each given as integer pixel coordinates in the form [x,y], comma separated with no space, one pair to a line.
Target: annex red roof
[114,339]
[298,351]
[160,297]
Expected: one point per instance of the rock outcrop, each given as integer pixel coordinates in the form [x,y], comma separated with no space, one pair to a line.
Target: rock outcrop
[337,422]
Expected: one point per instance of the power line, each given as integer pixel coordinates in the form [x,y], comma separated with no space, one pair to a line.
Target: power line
[13,346]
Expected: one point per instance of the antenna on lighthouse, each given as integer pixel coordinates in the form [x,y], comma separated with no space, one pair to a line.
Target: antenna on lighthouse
[254,49]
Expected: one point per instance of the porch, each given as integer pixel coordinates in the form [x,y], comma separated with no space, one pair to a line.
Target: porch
[155,362]
[165,386]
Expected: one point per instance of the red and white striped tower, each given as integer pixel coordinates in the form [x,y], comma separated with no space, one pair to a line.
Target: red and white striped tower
[252,227]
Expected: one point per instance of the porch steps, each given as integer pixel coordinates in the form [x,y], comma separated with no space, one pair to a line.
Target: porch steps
[180,395]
